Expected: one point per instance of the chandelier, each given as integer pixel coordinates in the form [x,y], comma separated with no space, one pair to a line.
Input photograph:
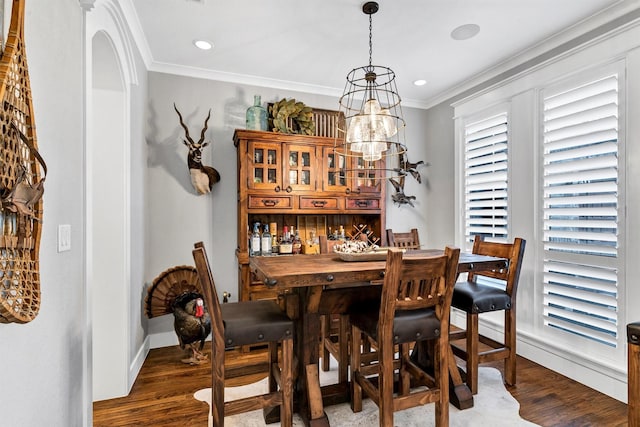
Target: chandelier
[371,107]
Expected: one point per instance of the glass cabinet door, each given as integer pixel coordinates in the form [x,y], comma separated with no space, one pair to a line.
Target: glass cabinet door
[368,175]
[300,167]
[334,168]
[265,168]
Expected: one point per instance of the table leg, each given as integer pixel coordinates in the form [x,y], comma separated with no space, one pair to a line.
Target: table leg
[459,394]
[308,384]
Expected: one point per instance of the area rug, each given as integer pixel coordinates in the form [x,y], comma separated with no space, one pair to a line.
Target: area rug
[493,407]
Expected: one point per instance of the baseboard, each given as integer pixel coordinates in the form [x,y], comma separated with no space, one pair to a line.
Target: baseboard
[605,379]
[136,364]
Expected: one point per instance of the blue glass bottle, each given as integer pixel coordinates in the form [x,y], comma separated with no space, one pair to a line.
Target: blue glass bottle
[256,115]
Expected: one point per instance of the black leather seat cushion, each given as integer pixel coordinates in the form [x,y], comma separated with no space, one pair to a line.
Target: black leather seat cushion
[475,297]
[633,333]
[408,325]
[254,322]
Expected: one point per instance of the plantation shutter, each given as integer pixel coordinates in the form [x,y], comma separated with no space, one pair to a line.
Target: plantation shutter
[485,186]
[580,226]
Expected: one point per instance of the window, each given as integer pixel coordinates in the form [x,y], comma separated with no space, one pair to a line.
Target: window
[485,178]
[580,209]
[572,144]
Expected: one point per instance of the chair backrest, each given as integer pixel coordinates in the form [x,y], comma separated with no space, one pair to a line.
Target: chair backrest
[514,252]
[414,283]
[210,294]
[409,240]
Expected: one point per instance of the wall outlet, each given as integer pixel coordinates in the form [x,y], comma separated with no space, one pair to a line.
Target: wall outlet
[64,237]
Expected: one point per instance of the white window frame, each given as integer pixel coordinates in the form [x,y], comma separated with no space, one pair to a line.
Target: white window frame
[460,171]
[486,170]
[603,370]
[594,349]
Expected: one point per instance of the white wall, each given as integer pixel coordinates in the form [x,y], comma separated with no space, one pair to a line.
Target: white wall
[108,282]
[42,361]
[115,201]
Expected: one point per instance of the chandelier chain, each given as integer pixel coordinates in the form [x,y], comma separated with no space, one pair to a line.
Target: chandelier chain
[370,37]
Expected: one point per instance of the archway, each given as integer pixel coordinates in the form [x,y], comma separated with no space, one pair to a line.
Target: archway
[107,275]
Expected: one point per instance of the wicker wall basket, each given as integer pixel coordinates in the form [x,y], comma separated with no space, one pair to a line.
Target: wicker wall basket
[20,231]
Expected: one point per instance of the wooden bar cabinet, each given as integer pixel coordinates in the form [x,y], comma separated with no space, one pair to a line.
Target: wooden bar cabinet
[298,180]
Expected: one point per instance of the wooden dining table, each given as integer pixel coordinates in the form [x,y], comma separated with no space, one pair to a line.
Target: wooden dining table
[312,285]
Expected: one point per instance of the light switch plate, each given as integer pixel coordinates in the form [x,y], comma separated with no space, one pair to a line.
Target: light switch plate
[64,237]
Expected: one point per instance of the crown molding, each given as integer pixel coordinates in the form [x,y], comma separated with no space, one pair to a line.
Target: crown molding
[223,76]
[613,31]
[621,12]
[135,28]
[606,21]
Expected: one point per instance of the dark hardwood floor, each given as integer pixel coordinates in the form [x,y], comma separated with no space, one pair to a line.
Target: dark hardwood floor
[163,396]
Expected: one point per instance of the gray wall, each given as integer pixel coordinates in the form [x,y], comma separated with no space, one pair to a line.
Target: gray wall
[178,217]
[42,366]
[43,371]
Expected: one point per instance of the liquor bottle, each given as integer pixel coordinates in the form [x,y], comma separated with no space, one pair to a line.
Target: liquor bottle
[273,229]
[255,240]
[297,243]
[342,235]
[285,246]
[265,244]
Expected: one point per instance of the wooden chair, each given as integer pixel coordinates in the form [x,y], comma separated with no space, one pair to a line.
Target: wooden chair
[409,240]
[414,306]
[475,296]
[247,323]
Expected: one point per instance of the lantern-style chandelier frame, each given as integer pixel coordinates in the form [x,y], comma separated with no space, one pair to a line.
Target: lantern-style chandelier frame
[373,114]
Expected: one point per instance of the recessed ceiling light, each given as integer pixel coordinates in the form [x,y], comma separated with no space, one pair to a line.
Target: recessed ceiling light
[203,44]
[464,32]
[420,82]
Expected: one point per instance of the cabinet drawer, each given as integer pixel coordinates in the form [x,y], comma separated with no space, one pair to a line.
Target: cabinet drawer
[318,203]
[363,203]
[280,202]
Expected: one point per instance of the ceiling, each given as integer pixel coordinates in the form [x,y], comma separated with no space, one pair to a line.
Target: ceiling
[310,45]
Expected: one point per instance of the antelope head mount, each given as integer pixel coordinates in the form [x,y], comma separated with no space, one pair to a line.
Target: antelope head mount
[202,177]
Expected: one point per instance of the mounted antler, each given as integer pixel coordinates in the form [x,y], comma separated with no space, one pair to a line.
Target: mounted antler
[202,177]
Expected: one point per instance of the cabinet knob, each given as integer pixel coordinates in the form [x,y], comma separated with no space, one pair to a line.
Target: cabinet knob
[277,189]
[270,282]
[330,277]
[382,274]
[269,202]
[349,191]
[319,203]
[288,189]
